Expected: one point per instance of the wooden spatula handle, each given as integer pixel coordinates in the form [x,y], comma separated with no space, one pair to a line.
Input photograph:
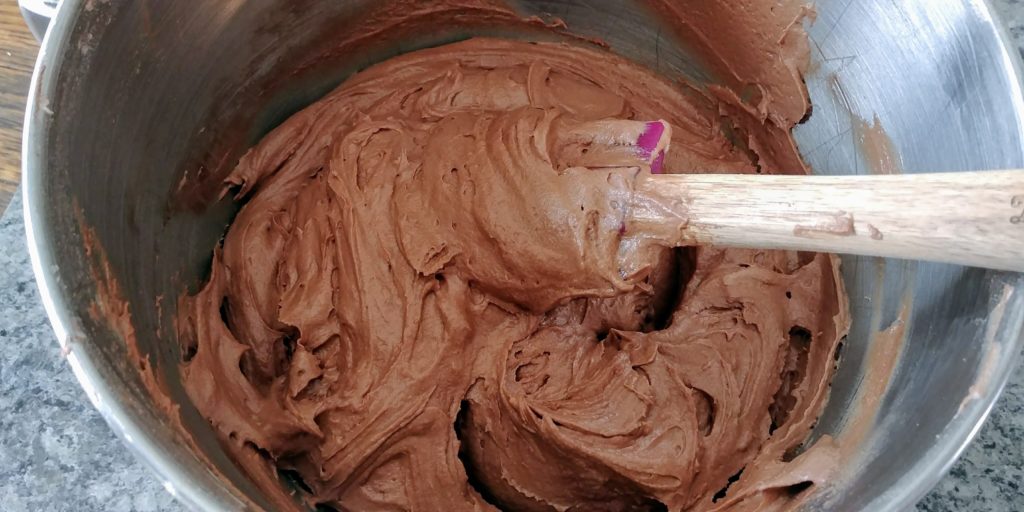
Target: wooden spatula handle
[969,218]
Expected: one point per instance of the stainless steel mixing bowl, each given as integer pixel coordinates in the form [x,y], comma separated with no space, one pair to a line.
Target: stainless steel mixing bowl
[128,96]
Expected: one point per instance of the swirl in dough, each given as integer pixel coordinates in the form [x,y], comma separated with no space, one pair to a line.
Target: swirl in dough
[430,301]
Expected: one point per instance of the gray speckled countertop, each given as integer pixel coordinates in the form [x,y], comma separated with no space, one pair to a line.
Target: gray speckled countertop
[56,452]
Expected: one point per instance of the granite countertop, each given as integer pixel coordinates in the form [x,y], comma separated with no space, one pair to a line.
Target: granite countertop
[57,453]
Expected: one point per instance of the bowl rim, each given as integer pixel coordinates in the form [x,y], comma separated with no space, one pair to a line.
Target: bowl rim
[930,470]
[191,492]
[63,318]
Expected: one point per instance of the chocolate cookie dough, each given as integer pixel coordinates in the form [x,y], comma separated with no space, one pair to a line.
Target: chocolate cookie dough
[431,300]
